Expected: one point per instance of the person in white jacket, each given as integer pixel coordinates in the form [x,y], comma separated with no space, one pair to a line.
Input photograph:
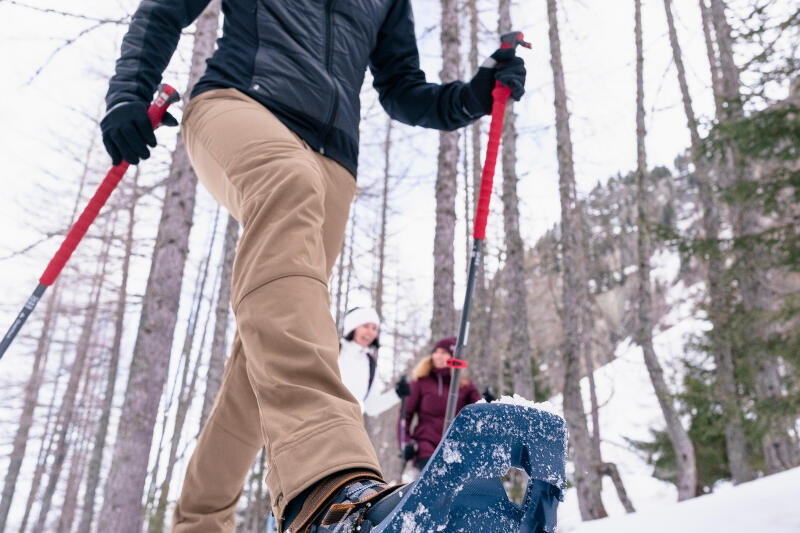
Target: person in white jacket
[358,361]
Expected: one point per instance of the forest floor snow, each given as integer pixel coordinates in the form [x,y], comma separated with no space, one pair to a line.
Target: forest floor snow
[766,505]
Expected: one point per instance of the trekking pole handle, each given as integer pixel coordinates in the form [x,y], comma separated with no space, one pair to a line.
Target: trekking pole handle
[513,39]
[500,95]
[166,96]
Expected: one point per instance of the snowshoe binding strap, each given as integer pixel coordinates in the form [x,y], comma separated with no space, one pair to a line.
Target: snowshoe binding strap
[360,486]
[357,498]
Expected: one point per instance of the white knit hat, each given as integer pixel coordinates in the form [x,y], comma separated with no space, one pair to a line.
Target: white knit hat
[358,316]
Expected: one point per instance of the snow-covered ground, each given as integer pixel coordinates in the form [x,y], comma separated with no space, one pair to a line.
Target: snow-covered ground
[629,409]
[768,505]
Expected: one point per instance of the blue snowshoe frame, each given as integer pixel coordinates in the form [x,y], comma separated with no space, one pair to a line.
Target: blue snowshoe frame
[460,490]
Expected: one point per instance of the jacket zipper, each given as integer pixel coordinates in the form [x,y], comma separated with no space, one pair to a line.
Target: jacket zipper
[328,67]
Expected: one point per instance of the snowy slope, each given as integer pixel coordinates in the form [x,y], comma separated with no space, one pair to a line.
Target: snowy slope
[628,406]
[768,505]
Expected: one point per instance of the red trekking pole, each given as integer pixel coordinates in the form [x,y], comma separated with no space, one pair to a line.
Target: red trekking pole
[500,96]
[166,96]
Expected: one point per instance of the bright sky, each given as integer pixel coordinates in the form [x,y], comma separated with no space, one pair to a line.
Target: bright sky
[44,115]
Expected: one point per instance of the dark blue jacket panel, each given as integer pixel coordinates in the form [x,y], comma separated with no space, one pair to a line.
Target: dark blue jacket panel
[305,60]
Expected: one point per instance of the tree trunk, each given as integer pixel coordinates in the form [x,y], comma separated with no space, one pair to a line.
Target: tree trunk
[216,363]
[754,280]
[31,397]
[681,443]
[48,440]
[721,346]
[519,345]
[387,150]
[257,505]
[718,291]
[751,277]
[80,451]
[443,321]
[122,509]
[484,372]
[610,470]
[494,372]
[340,285]
[350,265]
[67,412]
[586,483]
[716,82]
[96,461]
[186,391]
[39,363]
[468,210]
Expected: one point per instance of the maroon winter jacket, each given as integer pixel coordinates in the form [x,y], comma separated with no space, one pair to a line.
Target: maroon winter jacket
[428,401]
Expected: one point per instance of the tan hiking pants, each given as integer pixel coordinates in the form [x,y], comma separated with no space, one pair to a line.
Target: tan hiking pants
[281,388]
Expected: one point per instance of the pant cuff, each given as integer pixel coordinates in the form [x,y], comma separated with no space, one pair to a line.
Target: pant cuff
[298,466]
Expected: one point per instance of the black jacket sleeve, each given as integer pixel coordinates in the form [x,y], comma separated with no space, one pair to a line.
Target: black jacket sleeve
[148,46]
[402,88]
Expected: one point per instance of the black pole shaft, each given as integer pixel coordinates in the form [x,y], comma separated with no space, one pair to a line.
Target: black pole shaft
[21,318]
[463,333]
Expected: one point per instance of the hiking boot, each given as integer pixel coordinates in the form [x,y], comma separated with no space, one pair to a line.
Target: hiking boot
[353,501]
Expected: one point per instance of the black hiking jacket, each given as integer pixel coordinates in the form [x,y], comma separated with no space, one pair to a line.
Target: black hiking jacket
[304,60]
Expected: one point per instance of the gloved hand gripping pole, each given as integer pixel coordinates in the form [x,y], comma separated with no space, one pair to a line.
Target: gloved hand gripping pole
[166,96]
[500,96]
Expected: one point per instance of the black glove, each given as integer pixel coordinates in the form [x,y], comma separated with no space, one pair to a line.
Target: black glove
[488,396]
[127,132]
[410,451]
[503,66]
[403,389]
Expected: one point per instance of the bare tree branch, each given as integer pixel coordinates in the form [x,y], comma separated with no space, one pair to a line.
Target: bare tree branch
[61,47]
[123,20]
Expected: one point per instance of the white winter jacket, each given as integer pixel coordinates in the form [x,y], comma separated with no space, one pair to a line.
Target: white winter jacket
[354,368]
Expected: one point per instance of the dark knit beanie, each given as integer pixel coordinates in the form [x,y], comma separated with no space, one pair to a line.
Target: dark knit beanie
[448,344]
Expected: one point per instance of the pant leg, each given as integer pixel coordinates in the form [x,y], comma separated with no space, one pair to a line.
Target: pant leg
[293,205]
[226,448]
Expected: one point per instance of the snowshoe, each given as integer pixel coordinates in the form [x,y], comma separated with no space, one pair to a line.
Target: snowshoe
[460,490]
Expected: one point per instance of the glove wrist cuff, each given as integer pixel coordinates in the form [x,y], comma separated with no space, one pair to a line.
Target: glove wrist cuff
[480,84]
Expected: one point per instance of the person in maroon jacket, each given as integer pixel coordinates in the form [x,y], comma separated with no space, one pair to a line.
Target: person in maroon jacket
[427,398]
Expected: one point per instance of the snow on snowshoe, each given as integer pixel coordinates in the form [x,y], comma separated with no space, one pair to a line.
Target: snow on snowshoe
[460,490]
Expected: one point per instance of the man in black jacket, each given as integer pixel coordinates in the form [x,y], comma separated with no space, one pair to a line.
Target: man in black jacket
[272,132]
